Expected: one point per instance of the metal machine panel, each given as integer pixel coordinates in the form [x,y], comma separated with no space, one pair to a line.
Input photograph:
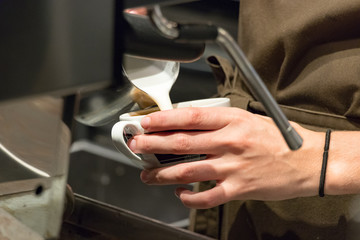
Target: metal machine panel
[55,46]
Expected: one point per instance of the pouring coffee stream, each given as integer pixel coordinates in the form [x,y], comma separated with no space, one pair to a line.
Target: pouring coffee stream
[154,77]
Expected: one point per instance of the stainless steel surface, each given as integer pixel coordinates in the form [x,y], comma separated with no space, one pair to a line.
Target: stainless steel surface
[167,27]
[150,3]
[259,89]
[104,106]
[55,47]
[33,140]
[11,228]
[34,158]
[109,222]
[41,209]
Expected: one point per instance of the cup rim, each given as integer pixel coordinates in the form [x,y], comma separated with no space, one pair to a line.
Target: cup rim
[206,102]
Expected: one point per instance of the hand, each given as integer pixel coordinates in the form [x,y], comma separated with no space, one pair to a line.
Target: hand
[246,155]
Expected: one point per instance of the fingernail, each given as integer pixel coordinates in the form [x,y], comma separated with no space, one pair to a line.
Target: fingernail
[145,122]
[177,193]
[144,176]
[132,144]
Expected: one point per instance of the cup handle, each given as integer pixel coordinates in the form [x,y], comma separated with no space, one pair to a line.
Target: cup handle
[119,133]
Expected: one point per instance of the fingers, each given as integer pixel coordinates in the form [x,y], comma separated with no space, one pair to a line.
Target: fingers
[206,135]
[202,200]
[188,119]
[186,173]
[184,142]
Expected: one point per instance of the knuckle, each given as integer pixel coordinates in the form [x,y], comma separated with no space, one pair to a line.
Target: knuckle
[231,143]
[228,142]
[195,116]
[184,174]
[236,142]
[181,143]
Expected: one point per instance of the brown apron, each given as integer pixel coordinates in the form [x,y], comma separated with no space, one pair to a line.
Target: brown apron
[308,54]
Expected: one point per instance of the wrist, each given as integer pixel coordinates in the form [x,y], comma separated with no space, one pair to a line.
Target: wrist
[324,163]
[343,164]
[309,161]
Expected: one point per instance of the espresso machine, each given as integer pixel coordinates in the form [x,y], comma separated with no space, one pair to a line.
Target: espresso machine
[60,63]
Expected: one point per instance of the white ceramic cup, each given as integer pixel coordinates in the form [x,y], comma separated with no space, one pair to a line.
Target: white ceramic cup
[129,125]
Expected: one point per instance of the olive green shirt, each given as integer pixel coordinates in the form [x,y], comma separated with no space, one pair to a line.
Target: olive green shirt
[308,54]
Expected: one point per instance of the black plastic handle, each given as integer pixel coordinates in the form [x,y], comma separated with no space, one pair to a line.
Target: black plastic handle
[142,39]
